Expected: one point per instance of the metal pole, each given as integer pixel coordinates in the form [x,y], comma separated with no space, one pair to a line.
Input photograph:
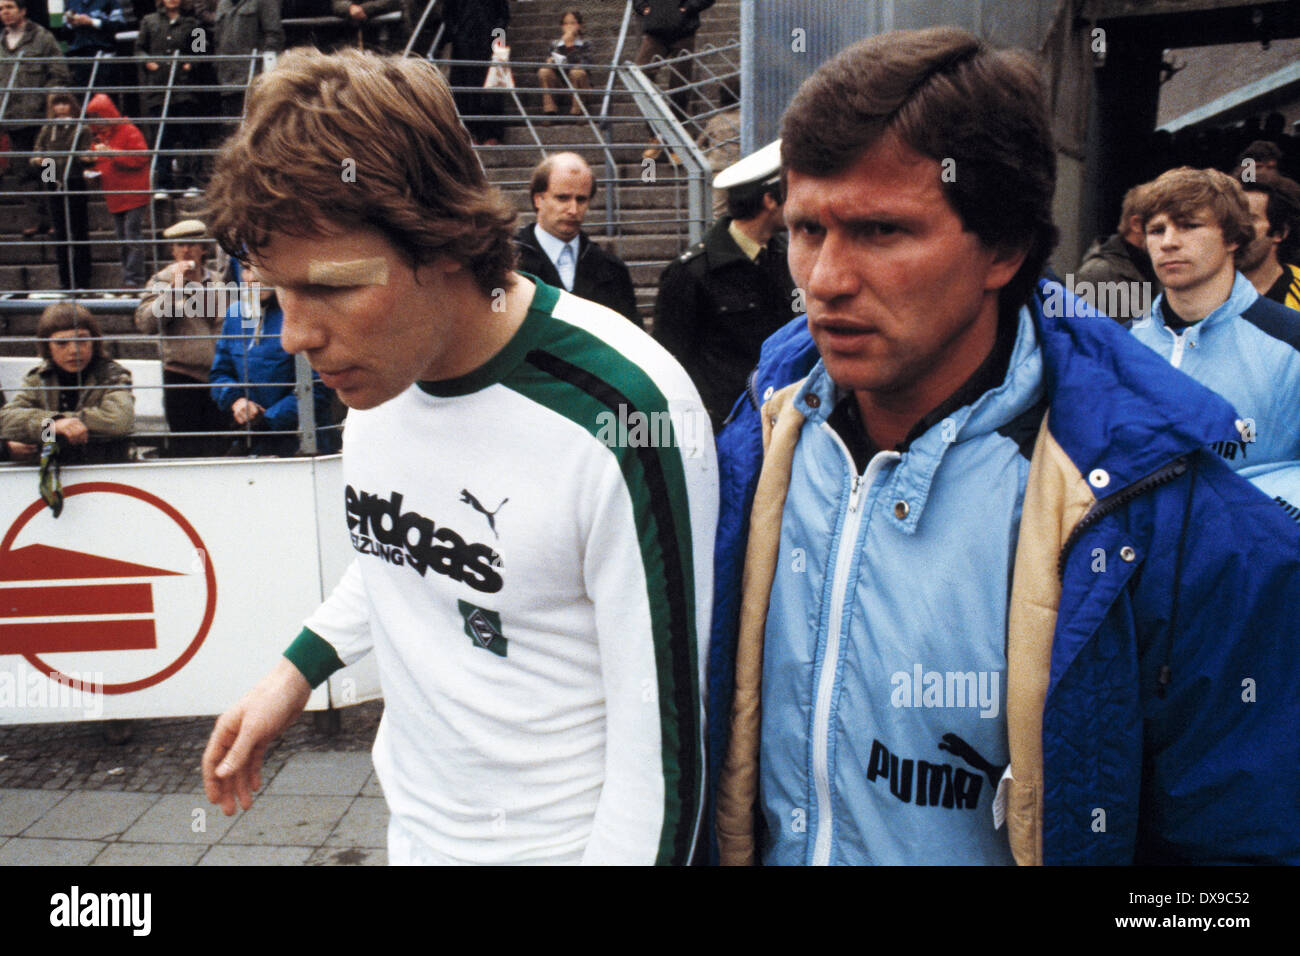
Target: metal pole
[303,391]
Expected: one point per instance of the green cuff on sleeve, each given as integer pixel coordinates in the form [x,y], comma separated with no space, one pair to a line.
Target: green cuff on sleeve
[313,656]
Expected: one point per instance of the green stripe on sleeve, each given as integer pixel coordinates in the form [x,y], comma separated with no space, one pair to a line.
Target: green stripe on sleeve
[582,378]
[314,657]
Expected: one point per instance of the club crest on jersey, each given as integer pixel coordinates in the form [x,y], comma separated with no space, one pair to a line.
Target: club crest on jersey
[381,527]
[483,627]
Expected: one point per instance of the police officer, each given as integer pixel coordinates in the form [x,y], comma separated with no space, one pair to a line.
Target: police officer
[719,301]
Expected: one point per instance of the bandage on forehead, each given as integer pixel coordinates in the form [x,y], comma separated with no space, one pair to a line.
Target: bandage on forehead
[356,272]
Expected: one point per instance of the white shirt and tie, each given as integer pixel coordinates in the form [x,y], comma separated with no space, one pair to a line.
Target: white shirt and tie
[563,255]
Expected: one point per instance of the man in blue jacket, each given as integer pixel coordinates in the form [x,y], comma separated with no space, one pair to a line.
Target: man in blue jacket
[252,377]
[982,593]
[1210,321]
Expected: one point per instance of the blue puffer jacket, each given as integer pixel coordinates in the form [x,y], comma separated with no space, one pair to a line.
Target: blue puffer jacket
[1161,691]
[250,363]
[1247,350]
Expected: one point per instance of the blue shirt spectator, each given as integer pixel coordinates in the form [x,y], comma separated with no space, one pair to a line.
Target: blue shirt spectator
[252,379]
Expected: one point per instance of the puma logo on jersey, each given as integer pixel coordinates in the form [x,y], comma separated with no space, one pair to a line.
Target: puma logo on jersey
[491,516]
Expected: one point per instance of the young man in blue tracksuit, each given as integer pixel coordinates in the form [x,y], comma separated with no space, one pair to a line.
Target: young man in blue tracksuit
[982,592]
[1211,322]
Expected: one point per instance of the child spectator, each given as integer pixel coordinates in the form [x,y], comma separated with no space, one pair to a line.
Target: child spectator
[56,144]
[83,395]
[162,34]
[569,52]
[123,165]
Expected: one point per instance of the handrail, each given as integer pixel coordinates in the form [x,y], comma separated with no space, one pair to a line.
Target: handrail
[415,31]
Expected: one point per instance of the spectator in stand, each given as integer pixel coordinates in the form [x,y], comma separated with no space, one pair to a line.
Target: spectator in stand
[569,54]
[24,43]
[163,34]
[1120,260]
[558,252]
[720,140]
[1259,156]
[668,29]
[244,26]
[252,376]
[186,306]
[1275,213]
[60,157]
[83,394]
[122,163]
[362,27]
[470,24]
[92,27]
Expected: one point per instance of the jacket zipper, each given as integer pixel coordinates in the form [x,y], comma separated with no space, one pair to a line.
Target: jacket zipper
[830,662]
[1176,359]
[1119,499]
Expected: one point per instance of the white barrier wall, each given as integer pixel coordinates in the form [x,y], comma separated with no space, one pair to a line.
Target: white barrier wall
[165,589]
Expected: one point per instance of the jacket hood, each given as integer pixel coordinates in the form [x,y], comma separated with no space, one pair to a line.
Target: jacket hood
[101,107]
[1116,405]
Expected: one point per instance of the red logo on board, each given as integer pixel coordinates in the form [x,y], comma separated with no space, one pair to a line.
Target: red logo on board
[60,600]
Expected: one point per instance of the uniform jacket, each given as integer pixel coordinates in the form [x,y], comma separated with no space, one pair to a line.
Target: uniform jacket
[251,363]
[243,26]
[36,42]
[600,276]
[714,309]
[1136,691]
[1247,350]
[124,173]
[105,405]
[670,20]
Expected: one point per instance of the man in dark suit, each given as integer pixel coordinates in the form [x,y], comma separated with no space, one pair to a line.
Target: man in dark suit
[557,251]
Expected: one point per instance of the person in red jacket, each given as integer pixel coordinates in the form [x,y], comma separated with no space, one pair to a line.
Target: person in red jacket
[122,162]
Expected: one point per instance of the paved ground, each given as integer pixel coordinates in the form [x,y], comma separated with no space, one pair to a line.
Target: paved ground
[67,796]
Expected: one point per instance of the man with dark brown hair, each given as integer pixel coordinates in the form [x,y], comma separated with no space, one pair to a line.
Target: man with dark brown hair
[530,489]
[969,544]
[1268,261]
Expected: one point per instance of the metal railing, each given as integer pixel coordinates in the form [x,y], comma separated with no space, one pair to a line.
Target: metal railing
[649,210]
[150,435]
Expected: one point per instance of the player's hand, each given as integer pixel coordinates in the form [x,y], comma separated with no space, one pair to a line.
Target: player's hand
[356,11]
[73,429]
[232,762]
[21,451]
[246,411]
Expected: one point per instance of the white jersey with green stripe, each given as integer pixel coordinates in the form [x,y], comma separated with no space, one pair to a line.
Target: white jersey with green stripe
[534,575]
